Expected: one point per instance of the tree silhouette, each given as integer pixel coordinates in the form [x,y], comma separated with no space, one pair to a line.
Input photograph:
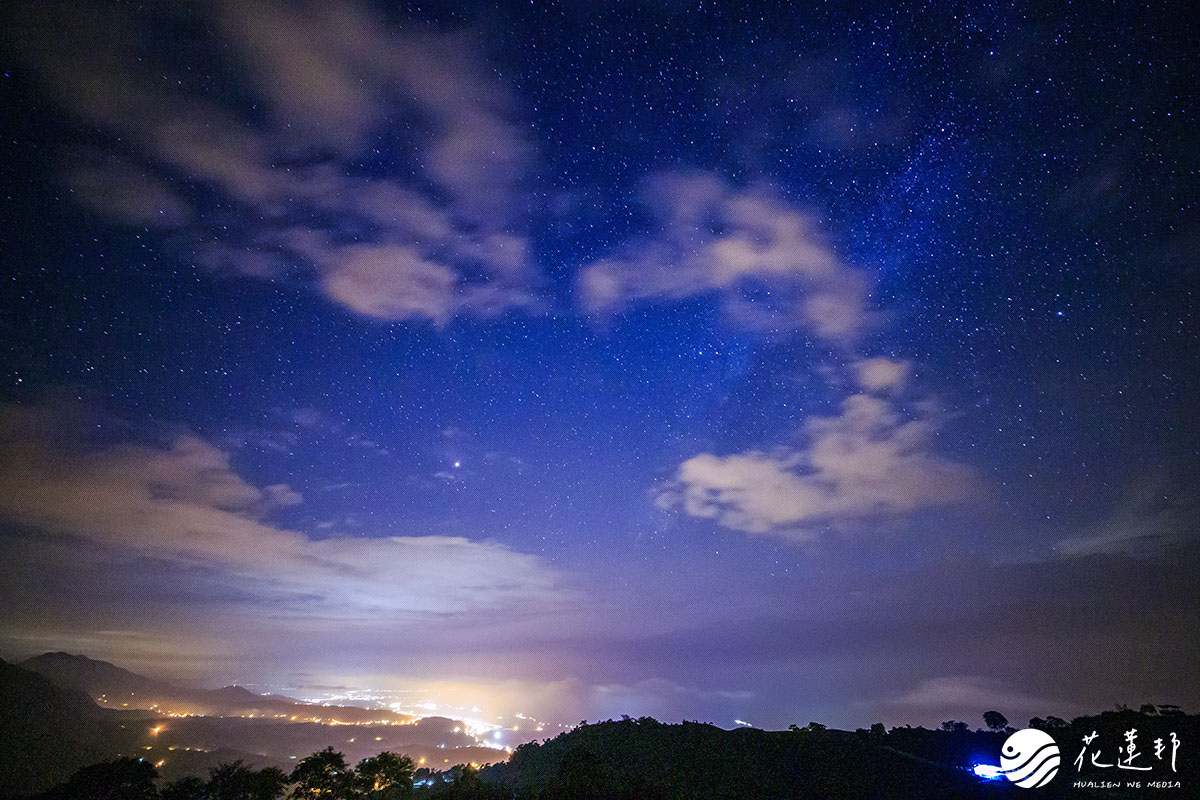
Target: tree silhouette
[466,780]
[229,782]
[189,788]
[385,777]
[461,782]
[581,775]
[323,774]
[237,782]
[268,783]
[995,720]
[119,779]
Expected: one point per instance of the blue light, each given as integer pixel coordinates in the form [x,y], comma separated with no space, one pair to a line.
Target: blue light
[989,772]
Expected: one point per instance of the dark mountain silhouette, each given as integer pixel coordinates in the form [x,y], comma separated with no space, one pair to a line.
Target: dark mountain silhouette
[114,687]
[645,758]
[51,726]
[47,732]
[89,675]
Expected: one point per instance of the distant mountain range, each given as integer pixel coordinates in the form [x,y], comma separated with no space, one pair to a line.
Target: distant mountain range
[49,729]
[59,712]
[117,688]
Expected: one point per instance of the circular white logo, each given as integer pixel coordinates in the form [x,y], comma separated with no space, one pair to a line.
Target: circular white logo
[1029,758]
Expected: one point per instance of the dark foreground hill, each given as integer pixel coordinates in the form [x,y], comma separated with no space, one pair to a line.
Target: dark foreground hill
[46,732]
[648,759]
[645,758]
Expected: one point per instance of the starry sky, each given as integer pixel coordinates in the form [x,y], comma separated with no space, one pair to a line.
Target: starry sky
[826,362]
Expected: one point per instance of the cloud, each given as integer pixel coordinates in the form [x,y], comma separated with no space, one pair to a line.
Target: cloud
[116,188]
[880,374]
[390,282]
[280,495]
[970,695]
[767,262]
[868,462]
[183,505]
[1150,517]
[660,698]
[273,184]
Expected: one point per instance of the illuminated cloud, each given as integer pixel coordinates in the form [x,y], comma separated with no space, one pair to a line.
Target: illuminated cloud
[767,261]
[657,697]
[869,462]
[184,505]
[438,232]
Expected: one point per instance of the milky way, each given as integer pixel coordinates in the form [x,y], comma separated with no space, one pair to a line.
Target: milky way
[776,364]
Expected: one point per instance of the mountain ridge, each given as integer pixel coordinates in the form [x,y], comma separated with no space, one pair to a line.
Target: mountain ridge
[118,688]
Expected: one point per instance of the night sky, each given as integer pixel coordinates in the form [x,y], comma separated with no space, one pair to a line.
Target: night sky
[829,362]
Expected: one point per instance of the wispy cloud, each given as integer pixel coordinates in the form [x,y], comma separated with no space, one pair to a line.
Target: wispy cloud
[1150,516]
[768,262]
[968,696]
[271,156]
